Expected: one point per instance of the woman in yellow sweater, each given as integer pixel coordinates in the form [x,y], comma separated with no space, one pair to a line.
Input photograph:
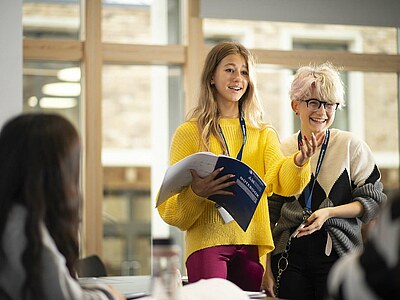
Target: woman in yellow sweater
[229,120]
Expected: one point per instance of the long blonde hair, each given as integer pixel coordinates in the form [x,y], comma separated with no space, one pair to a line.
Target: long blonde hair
[206,112]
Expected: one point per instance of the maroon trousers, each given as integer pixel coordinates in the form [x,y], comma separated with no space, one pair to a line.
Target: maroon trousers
[239,264]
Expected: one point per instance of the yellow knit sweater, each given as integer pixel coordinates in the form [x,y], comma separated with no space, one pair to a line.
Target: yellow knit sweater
[198,216]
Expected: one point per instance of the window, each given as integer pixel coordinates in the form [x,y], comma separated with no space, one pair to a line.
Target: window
[141,21]
[273,35]
[138,103]
[51,19]
[51,86]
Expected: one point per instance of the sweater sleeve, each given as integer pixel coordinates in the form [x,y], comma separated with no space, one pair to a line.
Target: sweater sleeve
[275,203]
[283,176]
[366,176]
[184,208]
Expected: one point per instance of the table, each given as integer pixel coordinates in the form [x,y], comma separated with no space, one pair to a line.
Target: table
[131,286]
[134,287]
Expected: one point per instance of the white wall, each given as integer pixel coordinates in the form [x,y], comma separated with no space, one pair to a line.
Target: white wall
[10,58]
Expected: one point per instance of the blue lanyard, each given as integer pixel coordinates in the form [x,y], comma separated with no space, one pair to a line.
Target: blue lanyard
[243,126]
[317,169]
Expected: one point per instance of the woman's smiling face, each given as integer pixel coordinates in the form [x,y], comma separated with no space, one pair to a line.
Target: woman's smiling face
[231,78]
[313,120]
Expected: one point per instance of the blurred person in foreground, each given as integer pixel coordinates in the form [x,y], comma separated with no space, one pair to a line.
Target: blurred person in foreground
[39,211]
[374,273]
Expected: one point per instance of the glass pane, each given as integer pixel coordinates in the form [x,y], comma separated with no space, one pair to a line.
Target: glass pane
[137,104]
[127,217]
[53,87]
[51,19]
[380,116]
[282,35]
[141,21]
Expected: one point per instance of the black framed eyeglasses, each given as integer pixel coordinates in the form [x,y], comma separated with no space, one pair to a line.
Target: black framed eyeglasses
[314,104]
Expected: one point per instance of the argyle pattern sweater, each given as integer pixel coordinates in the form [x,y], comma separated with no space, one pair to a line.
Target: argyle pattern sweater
[198,216]
[348,173]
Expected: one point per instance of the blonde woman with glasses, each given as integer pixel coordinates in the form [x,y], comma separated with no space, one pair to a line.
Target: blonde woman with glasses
[322,223]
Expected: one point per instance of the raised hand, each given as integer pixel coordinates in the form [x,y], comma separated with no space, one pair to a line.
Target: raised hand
[308,148]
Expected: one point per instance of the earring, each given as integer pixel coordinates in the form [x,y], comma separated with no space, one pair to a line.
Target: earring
[297,113]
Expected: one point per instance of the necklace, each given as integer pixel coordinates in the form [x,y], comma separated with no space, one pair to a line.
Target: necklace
[230,116]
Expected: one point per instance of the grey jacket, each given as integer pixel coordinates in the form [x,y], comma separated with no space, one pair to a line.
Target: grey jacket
[58,284]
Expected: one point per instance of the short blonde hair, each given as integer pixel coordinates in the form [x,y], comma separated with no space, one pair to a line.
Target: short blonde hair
[322,79]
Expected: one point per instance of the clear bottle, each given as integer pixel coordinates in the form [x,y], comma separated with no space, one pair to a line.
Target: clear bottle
[166,277]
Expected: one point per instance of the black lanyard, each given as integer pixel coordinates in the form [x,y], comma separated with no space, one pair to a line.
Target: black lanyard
[243,126]
[317,169]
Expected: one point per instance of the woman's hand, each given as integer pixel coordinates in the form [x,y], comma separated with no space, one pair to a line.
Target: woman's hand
[268,283]
[315,221]
[308,148]
[116,294]
[207,186]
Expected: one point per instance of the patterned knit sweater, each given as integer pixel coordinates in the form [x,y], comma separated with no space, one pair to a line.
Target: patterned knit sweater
[198,216]
[348,173]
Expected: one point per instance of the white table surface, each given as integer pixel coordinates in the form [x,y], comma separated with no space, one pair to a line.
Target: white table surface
[130,286]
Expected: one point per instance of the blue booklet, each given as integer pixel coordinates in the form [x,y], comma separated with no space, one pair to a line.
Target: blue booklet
[247,191]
